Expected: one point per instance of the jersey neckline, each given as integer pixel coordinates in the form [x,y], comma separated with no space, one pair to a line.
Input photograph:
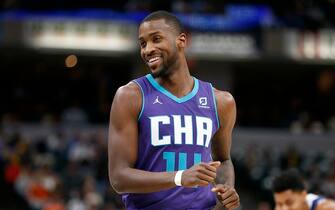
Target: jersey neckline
[161,89]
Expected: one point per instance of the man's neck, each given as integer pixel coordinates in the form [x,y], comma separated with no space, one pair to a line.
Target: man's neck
[179,82]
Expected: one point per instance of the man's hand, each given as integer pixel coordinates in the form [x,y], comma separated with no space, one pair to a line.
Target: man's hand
[227,195]
[201,174]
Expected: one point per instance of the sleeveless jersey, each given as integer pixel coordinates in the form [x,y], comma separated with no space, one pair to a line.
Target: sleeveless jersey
[313,200]
[174,134]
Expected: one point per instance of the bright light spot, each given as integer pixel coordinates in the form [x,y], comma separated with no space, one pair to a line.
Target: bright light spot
[71,61]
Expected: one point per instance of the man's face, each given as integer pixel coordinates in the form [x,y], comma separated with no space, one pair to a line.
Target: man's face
[290,200]
[158,46]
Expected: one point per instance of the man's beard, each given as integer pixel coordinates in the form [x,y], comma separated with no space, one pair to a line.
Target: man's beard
[162,72]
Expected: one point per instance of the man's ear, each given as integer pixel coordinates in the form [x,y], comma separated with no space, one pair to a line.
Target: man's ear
[182,40]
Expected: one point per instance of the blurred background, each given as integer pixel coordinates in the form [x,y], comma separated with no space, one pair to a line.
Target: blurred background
[61,62]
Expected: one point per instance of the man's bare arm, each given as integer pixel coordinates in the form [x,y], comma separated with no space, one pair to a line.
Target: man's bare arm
[326,205]
[122,146]
[221,145]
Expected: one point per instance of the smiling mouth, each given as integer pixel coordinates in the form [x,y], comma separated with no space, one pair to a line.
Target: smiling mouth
[153,61]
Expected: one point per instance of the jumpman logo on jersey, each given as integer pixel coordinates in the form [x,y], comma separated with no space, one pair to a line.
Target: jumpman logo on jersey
[157,101]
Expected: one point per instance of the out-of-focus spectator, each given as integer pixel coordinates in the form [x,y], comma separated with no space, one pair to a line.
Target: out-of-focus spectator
[75,201]
[322,102]
[55,202]
[264,205]
[12,170]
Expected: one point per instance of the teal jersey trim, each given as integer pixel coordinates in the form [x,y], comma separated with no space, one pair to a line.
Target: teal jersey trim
[161,89]
[142,108]
[216,110]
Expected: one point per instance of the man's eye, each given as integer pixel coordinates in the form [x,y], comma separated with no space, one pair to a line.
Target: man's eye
[142,44]
[157,38]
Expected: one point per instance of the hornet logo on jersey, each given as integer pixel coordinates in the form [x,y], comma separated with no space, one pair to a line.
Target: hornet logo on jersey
[203,103]
[157,101]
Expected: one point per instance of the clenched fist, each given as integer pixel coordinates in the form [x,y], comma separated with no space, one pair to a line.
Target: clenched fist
[227,195]
[201,174]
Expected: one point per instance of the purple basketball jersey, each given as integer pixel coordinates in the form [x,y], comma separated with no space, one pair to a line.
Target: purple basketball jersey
[174,134]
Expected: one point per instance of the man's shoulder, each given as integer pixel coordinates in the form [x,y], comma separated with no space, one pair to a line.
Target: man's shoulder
[128,97]
[127,101]
[326,204]
[226,106]
[224,97]
[129,90]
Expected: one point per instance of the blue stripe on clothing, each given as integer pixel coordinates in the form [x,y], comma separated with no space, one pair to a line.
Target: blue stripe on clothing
[216,110]
[161,89]
[142,108]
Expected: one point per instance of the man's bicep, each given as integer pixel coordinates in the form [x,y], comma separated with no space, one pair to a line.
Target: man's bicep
[327,205]
[123,130]
[221,144]
[122,144]
[227,115]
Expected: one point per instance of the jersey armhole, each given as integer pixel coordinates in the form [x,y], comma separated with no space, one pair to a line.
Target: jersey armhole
[142,107]
[215,106]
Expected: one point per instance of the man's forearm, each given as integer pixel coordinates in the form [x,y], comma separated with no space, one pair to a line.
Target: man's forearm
[226,174]
[131,180]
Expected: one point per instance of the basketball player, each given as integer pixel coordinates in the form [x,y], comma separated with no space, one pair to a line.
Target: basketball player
[290,194]
[169,132]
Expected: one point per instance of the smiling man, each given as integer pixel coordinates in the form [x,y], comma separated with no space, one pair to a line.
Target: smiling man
[170,133]
[290,194]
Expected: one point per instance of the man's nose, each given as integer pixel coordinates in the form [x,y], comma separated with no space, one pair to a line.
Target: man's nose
[149,49]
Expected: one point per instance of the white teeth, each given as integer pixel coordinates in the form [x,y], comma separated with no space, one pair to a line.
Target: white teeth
[153,59]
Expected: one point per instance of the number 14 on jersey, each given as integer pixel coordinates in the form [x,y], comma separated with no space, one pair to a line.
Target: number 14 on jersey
[181,158]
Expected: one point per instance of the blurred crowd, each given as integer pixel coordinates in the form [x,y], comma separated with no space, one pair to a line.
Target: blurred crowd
[58,172]
[68,170]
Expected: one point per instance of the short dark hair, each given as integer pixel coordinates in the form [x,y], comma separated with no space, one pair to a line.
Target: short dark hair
[170,19]
[288,180]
